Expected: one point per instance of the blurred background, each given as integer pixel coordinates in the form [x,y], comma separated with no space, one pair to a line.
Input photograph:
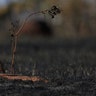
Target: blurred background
[77,20]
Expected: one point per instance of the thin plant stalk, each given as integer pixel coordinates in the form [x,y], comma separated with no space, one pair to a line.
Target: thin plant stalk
[14,46]
[14,40]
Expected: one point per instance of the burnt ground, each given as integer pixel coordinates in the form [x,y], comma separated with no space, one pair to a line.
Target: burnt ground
[69,65]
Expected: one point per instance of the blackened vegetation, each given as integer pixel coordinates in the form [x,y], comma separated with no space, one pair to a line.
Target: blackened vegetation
[14,27]
[54,11]
[70,67]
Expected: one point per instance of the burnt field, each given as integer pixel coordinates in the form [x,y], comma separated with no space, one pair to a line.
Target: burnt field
[69,65]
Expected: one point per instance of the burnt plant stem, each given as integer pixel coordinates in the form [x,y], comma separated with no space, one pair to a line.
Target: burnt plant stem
[14,39]
[53,11]
[14,45]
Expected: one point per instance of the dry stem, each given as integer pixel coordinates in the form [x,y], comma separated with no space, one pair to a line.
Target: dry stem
[15,36]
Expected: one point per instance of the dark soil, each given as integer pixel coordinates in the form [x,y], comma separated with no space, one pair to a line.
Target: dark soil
[69,65]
